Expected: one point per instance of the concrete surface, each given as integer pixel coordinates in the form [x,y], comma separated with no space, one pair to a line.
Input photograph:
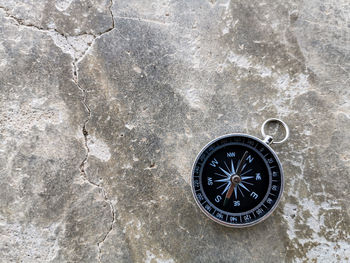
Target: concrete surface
[105,104]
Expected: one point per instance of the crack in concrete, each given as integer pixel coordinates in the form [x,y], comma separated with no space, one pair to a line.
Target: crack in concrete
[86,134]
[75,61]
[21,22]
[84,162]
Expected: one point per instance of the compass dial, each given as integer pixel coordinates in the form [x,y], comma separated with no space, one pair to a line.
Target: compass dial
[237,180]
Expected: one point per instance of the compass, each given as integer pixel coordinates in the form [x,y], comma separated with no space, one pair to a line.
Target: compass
[237,179]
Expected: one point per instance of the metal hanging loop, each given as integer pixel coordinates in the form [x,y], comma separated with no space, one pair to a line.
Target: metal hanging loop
[268,138]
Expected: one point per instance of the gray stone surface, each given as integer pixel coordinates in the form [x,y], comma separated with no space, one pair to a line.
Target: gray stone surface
[104,106]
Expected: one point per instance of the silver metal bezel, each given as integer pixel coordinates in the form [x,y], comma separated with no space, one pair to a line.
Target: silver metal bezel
[278,198]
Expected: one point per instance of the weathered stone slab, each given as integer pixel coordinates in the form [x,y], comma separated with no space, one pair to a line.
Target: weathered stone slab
[101,121]
[47,208]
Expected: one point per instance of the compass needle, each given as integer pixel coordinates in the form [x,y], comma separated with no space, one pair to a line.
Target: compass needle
[241,163]
[226,188]
[235,179]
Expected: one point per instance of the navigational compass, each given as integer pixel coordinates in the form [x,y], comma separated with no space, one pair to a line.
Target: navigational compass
[237,179]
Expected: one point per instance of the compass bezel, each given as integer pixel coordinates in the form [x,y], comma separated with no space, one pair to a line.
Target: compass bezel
[277,200]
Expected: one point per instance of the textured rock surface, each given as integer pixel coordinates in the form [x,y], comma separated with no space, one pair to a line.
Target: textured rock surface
[104,106]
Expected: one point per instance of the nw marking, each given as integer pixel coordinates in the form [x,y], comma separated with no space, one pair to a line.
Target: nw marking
[231,154]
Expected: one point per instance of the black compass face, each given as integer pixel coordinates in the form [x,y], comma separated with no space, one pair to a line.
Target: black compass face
[237,180]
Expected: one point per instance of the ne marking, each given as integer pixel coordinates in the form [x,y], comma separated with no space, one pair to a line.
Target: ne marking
[258,177]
